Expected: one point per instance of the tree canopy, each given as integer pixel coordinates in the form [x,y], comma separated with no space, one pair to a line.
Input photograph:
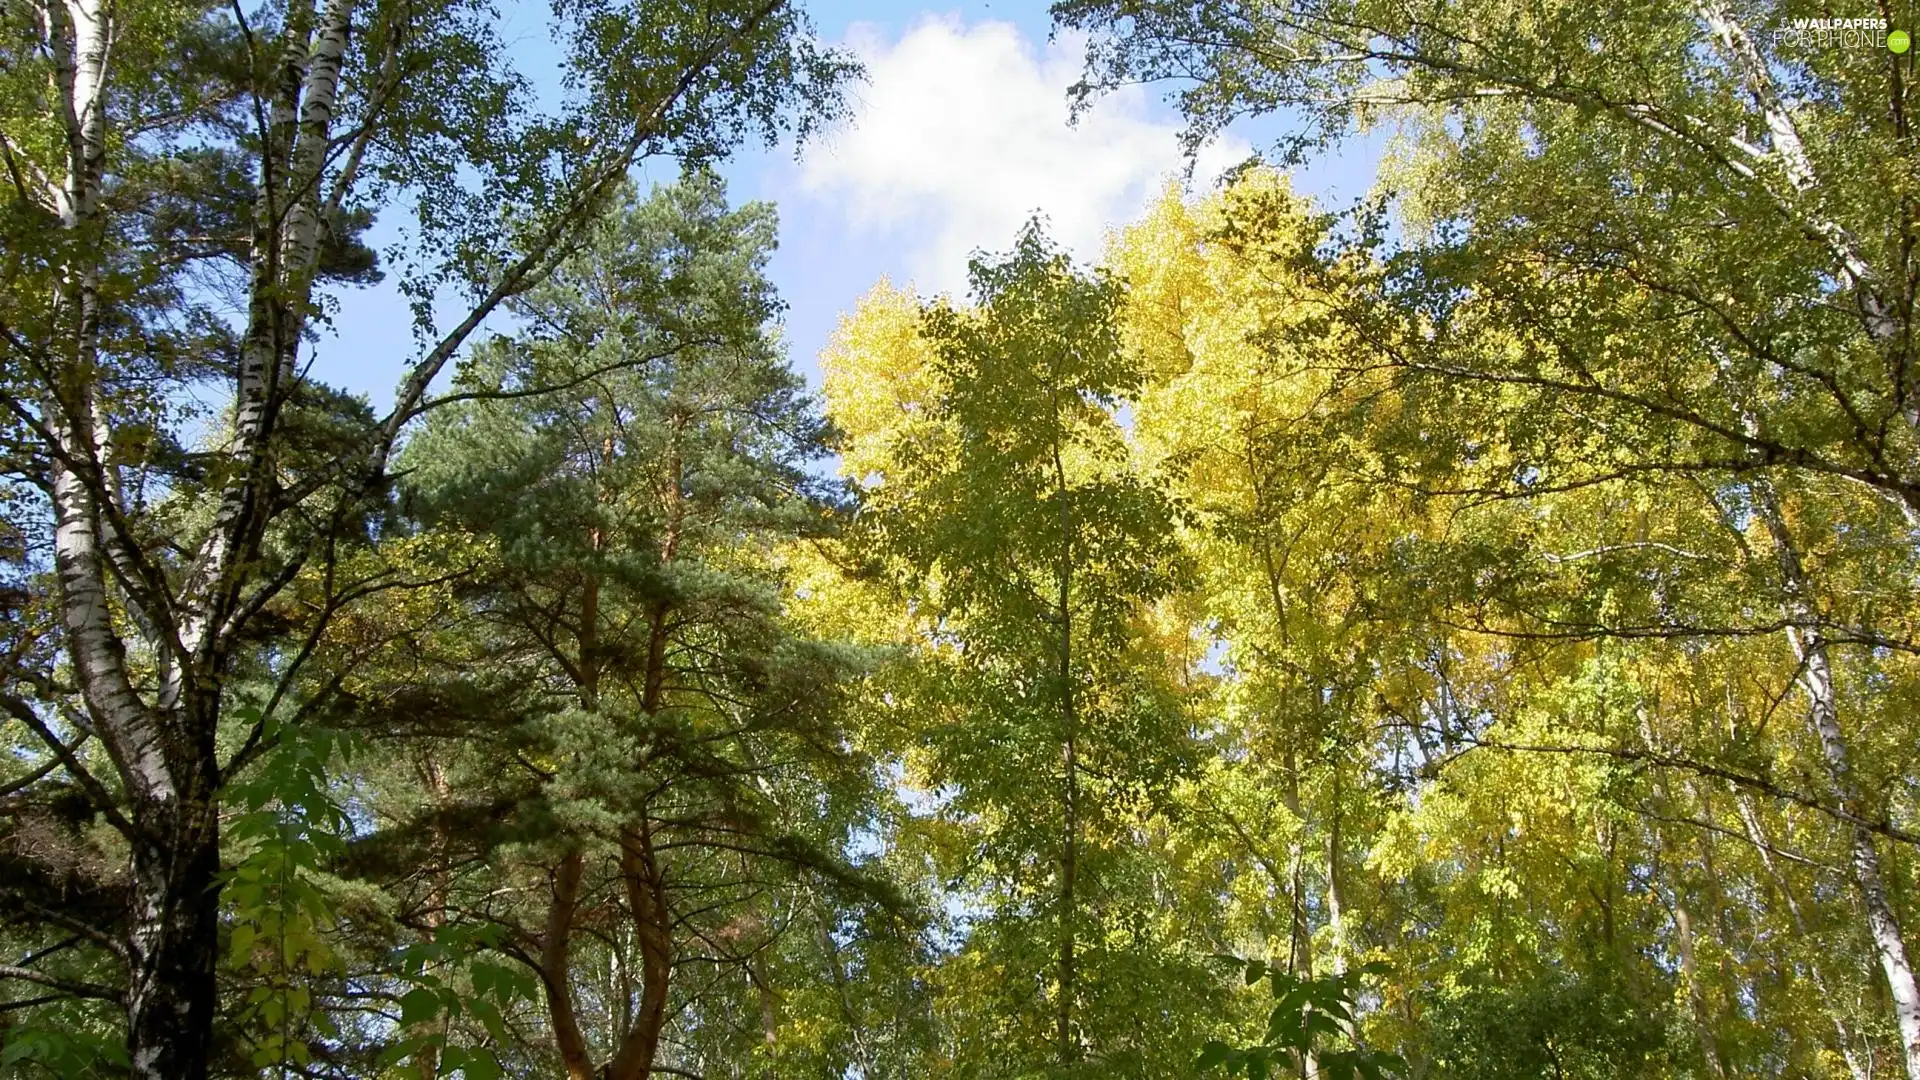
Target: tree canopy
[1470,633]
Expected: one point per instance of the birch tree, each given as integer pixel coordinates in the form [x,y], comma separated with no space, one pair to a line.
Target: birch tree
[1672,246]
[187,184]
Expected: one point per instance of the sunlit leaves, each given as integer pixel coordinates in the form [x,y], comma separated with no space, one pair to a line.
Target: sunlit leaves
[290,829]
[451,978]
[1309,1018]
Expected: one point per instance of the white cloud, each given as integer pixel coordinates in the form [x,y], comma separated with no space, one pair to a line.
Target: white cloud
[962,133]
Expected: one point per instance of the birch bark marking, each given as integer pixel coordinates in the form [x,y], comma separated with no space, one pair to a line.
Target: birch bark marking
[171,940]
[309,151]
[99,656]
[170,993]
[77,34]
[176,859]
[1738,49]
[172,934]
[283,259]
[309,139]
[80,67]
[1843,1033]
[1816,682]
[158,724]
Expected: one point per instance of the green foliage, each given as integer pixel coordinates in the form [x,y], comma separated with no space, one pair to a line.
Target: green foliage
[1030,553]
[196,526]
[289,829]
[1514,577]
[1310,1015]
[1550,1024]
[451,980]
[70,1039]
[660,732]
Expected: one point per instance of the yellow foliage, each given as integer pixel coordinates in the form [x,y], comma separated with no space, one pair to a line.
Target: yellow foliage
[879,377]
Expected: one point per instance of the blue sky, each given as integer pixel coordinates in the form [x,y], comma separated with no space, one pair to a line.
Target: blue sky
[958,135]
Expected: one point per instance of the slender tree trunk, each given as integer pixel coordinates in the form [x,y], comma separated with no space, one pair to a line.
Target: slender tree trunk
[176,853]
[1702,1021]
[174,834]
[1299,931]
[1790,152]
[640,872]
[1696,999]
[555,949]
[1336,902]
[769,1006]
[283,259]
[172,778]
[653,924]
[162,743]
[1816,682]
[439,891]
[1069,883]
[1336,888]
[588,636]
[856,1031]
[1069,1044]
[556,960]
[1842,1029]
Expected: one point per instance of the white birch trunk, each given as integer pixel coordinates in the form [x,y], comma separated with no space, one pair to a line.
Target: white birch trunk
[162,742]
[1843,1032]
[1859,275]
[1816,682]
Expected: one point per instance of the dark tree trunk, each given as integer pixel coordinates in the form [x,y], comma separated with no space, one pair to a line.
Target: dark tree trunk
[173,932]
[653,924]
